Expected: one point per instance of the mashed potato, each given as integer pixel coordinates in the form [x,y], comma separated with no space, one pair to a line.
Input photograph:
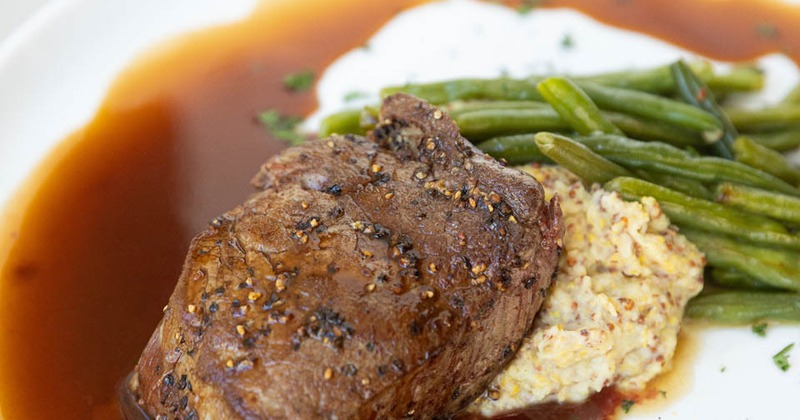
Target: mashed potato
[614,311]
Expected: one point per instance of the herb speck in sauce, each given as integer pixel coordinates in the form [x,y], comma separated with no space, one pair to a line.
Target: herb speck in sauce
[526,6]
[767,30]
[626,405]
[283,127]
[299,82]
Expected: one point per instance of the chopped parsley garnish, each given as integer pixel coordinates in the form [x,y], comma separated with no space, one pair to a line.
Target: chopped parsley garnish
[781,359]
[767,30]
[567,42]
[300,81]
[722,369]
[526,6]
[282,127]
[626,405]
[663,393]
[760,329]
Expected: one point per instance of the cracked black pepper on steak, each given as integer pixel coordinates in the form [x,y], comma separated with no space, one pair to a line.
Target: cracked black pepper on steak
[387,276]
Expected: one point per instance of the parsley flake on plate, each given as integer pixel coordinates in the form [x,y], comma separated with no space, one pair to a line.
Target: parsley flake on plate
[760,329]
[781,359]
[567,42]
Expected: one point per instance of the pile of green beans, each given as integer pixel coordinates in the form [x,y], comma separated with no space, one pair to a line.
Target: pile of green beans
[718,172]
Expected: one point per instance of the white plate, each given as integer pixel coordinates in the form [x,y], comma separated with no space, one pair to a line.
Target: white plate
[55,70]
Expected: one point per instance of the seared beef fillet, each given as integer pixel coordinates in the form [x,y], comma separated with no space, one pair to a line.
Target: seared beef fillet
[392,276]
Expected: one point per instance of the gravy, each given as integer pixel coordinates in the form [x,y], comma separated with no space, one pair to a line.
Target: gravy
[101,239]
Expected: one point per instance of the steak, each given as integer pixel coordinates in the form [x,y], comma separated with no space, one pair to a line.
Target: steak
[383,277]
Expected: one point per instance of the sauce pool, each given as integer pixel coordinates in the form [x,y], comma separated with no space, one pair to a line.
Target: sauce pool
[102,238]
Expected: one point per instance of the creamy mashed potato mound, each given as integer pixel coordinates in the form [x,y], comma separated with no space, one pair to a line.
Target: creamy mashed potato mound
[615,308]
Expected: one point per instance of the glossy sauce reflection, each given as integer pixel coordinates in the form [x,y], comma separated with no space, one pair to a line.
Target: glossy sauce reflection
[103,236]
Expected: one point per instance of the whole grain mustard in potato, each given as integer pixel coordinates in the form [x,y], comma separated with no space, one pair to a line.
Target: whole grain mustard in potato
[614,311]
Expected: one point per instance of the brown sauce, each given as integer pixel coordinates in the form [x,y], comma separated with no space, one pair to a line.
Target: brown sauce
[97,238]
[599,406]
[734,30]
[674,383]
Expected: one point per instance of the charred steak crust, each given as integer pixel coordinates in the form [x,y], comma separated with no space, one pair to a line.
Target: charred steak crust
[383,277]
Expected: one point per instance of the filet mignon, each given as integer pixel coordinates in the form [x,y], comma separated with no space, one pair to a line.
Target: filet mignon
[382,277]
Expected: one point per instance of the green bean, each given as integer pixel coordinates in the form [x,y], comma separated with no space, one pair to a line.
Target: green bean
[734,279]
[656,80]
[699,219]
[479,120]
[578,159]
[652,130]
[700,213]
[686,186]
[609,144]
[482,119]
[780,141]
[696,92]
[739,79]
[479,125]
[761,157]
[351,121]
[608,98]
[793,97]
[521,148]
[770,118]
[575,107]
[659,79]
[476,120]
[460,107]
[710,169]
[343,122]
[470,89]
[660,157]
[758,201]
[764,264]
[743,307]
[655,107]
[776,257]
[515,149]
